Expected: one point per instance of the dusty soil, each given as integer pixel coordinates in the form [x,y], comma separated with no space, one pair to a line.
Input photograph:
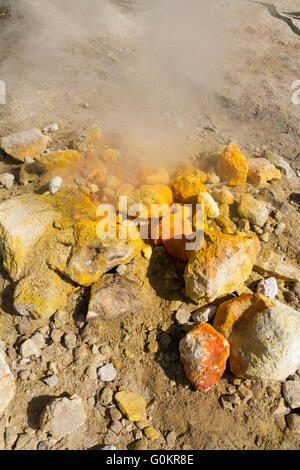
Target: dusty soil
[251,104]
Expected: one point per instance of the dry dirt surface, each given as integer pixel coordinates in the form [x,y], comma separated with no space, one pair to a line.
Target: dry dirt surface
[133,73]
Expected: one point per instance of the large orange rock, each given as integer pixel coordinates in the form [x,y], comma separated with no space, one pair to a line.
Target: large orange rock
[57,160]
[221,266]
[203,353]
[180,224]
[186,188]
[261,171]
[229,312]
[232,166]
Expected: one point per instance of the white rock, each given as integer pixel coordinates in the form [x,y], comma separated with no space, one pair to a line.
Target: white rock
[51,128]
[109,448]
[211,208]
[204,314]
[252,209]
[63,416]
[291,392]
[268,287]
[51,381]
[266,344]
[7,384]
[39,340]
[7,180]
[55,184]
[29,348]
[107,373]
[182,315]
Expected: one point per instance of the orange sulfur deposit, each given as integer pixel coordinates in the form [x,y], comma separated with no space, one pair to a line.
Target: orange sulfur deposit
[232,166]
[204,353]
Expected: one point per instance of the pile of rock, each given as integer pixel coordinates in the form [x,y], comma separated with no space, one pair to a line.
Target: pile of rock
[51,248]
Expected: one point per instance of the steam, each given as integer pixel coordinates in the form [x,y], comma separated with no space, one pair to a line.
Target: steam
[145,68]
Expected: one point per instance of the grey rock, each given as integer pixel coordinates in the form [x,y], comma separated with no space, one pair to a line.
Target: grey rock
[268,287]
[70,340]
[252,209]
[204,315]
[63,416]
[7,180]
[266,345]
[51,381]
[182,315]
[113,297]
[291,392]
[51,128]
[107,373]
[116,427]
[30,348]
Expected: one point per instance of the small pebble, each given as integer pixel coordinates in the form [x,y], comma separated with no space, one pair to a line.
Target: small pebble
[55,184]
[107,373]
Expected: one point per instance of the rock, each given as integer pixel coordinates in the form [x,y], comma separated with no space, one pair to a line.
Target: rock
[60,318]
[265,344]
[232,166]
[171,439]
[280,408]
[183,315]
[291,392]
[220,267]
[204,315]
[293,422]
[55,184]
[269,263]
[30,348]
[211,208]
[92,254]
[41,294]
[187,187]
[151,433]
[7,180]
[223,195]
[107,373]
[245,393]
[56,335]
[148,194]
[229,312]
[21,228]
[51,128]
[261,171]
[7,384]
[70,340]
[160,176]
[132,405]
[11,436]
[38,339]
[25,144]
[108,448]
[113,297]
[63,416]
[268,287]
[204,352]
[140,444]
[58,159]
[279,163]
[116,427]
[253,210]
[106,395]
[51,381]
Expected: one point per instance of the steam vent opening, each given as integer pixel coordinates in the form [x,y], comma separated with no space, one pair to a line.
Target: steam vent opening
[149,226]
